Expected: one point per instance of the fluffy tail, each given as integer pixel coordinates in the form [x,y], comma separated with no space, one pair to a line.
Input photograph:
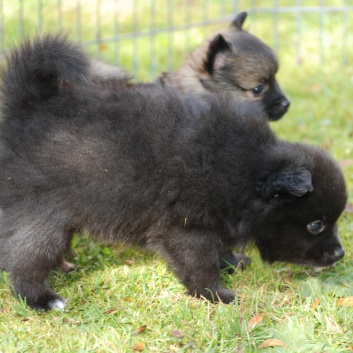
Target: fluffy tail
[37,69]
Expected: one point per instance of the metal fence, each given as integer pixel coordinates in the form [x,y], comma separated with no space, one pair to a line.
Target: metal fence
[149,36]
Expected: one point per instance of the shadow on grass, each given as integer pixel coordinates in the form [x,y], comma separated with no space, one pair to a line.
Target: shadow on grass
[336,280]
[91,255]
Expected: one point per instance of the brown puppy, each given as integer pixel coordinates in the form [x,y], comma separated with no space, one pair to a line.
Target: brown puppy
[234,61]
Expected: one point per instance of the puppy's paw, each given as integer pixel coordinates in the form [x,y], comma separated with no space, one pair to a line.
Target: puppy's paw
[66,266]
[50,302]
[225,296]
[57,304]
[242,261]
[220,294]
[230,261]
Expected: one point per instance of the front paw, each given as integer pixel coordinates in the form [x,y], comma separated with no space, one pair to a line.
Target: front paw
[225,296]
[220,294]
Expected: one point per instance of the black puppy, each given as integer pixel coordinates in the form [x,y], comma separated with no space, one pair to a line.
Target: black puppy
[146,165]
[233,61]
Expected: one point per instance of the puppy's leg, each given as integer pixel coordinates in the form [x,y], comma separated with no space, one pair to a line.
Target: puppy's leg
[30,253]
[66,266]
[194,257]
[230,261]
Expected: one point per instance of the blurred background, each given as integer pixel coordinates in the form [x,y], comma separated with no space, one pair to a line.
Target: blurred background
[147,37]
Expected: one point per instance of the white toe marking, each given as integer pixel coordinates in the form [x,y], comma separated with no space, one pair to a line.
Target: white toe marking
[57,304]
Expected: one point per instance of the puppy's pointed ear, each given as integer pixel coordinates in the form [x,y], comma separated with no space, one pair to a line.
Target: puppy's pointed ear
[238,21]
[286,184]
[217,49]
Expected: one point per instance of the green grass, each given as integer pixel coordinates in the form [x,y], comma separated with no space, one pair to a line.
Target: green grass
[114,291]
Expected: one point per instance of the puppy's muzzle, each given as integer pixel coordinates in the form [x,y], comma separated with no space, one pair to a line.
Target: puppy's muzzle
[282,103]
[278,108]
[285,103]
[338,254]
[332,257]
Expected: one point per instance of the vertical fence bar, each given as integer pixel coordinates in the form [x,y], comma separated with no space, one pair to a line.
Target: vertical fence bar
[2,26]
[344,35]
[253,18]
[116,32]
[170,61]
[205,16]
[298,27]
[235,7]
[135,43]
[60,14]
[153,64]
[21,18]
[222,8]
[78,20]
[187,14]
[321,34]
[40,15]
[275,26]
[98,28]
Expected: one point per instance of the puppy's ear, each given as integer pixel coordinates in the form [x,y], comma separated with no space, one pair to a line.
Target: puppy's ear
[215,59]
[237,23]
[287,184]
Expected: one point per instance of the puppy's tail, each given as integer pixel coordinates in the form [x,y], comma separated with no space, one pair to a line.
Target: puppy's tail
[39,69]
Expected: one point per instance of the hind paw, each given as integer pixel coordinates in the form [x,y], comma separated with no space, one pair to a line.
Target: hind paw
[50,302]
[66,266]
[57,304]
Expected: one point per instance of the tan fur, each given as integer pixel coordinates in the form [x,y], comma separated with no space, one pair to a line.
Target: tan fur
[189,77]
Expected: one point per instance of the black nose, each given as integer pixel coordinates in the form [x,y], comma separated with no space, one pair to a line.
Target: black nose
[285,103]
[338,254]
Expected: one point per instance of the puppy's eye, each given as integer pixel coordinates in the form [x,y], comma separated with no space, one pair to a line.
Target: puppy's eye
[257,90]
[316,227]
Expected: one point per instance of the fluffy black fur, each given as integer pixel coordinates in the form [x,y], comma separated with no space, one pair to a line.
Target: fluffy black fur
[144,165]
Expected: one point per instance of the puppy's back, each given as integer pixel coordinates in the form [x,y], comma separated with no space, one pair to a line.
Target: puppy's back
[85,145]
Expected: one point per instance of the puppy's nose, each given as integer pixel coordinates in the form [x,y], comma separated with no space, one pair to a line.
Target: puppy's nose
[285,103]
[338,254]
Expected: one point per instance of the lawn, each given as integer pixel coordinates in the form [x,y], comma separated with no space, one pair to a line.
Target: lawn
[126,300]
